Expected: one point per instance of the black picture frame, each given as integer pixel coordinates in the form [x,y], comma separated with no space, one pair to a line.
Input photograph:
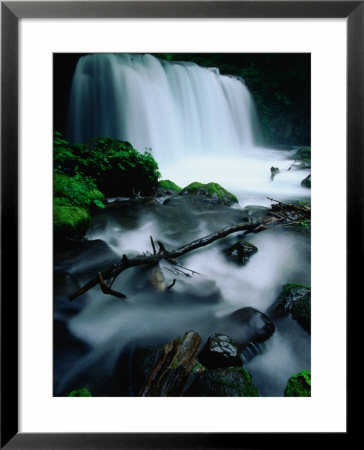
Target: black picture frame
[11,12]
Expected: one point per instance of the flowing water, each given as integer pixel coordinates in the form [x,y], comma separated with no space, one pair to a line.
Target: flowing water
[201,127]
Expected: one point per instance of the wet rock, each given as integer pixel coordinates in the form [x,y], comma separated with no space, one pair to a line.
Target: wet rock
[295,300]
[306,182]
[233,382]
[240,252]
[220,351]
[247,325]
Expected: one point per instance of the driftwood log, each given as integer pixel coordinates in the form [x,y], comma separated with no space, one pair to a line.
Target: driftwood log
[168,377]
[106,279]
[152,259]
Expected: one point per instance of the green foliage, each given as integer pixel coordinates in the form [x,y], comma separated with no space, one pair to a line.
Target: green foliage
[168,184]
[299,385]
[115,166]
[80,392]
[77,190]
[212,190]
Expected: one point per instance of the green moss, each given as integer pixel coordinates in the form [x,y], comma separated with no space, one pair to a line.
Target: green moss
[299,385]
[248,389]
[80,392]
[73,198]
[211,190]
[70,221]
[115,166]
[168,184]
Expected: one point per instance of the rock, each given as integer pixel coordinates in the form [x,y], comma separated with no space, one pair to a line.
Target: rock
[167,188]
[306,182]
[247,325]
[220,351]
[294,299]
[70,222]
[233,382]
[213,191]
[273,172]
[299,385]
[240,252]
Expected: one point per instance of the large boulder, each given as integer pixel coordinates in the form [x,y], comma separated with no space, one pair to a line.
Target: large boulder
[295,300]
[220,351]
[299,385]
[247,325]
[232,382]
[212,191]
[240,252]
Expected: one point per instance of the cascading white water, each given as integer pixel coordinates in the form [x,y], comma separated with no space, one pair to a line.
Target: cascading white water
[199,124]
[174,108]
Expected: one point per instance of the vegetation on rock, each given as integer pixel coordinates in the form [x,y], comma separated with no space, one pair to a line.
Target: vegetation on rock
[115,166]
[299,385]
[212,191]
[80,392]
[229,382]
[169,185]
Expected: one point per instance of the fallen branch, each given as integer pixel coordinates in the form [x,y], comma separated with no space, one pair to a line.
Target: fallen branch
[126,263]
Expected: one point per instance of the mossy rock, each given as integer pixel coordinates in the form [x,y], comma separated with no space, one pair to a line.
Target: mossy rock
[70,222]
[230,382]
[295,299]
[303,154]
[299,385]
[212,191]
[80,392]
[169,185]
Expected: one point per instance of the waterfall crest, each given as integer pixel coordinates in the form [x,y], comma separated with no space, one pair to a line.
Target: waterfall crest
[176,108]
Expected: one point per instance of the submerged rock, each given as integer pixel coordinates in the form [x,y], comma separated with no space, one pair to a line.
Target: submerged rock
[220,351]
[240,252]
[294,299]
[213,191]
[299,385]
[233,382]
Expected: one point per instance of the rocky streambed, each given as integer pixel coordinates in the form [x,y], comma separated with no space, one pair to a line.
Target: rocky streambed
[228,319]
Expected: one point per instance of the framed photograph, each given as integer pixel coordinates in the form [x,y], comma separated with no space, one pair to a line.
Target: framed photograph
[156,197]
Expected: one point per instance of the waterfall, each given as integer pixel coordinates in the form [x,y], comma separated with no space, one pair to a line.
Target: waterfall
[175,108]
